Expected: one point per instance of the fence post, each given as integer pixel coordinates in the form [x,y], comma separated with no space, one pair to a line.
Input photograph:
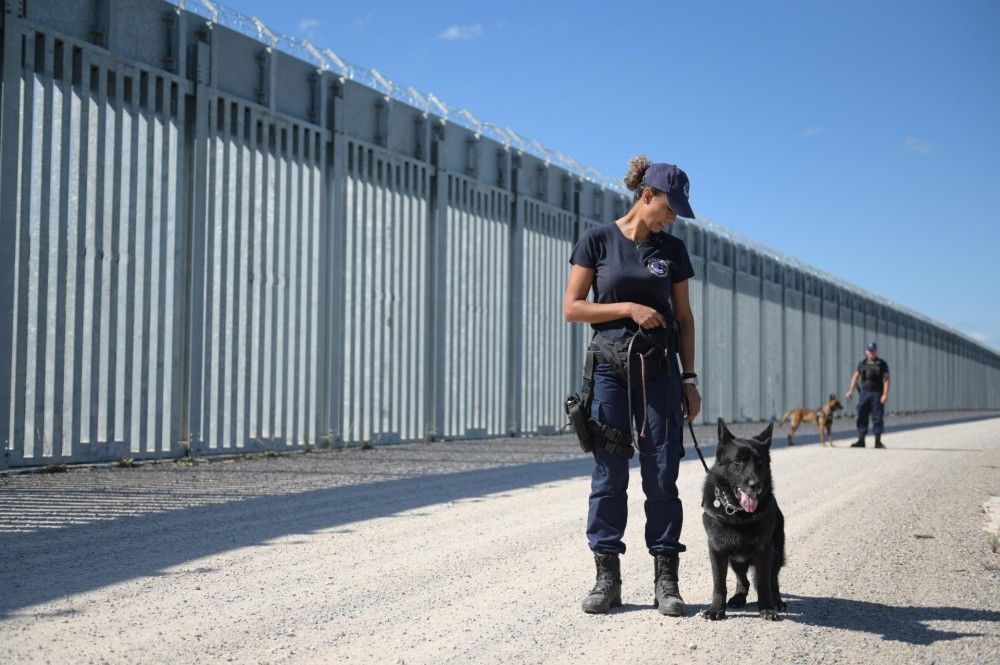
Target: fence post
[515,304]
[10,119]
[329,111]
[197,127]
[437,260]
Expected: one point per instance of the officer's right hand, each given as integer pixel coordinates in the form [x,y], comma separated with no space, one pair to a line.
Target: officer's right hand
[848,394]
[646,317]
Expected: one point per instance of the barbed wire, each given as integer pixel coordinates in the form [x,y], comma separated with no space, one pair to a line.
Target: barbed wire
[327,59]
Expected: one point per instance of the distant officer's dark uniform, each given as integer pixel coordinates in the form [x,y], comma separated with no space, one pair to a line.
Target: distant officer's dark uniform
[871,375]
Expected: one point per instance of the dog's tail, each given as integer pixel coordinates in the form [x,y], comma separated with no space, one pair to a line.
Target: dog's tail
[785,417]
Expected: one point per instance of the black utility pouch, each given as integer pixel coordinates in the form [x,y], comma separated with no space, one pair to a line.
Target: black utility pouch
[578,419]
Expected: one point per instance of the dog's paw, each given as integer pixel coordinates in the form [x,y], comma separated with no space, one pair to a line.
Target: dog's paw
[714,615]
[738,600]
[781,605]
[770,615]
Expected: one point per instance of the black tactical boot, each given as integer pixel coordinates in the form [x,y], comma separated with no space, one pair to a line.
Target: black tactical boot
[878,441]
[860,443]
[668,597]
[607,591]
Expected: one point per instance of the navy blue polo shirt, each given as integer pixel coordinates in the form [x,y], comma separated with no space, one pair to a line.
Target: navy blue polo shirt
[626,272]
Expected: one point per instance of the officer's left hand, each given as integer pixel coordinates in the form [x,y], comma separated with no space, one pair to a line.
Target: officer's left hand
[883,399]
[692,402]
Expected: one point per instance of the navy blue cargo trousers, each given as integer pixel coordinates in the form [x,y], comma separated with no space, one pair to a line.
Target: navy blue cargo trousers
[870,404]
[660,449]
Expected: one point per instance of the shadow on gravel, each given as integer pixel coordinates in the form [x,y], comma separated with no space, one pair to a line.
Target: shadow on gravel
[900,624]
[693,610]
[53,563]
[632,607]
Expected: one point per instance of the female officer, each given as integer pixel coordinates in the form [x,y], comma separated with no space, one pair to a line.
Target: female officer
[638,275]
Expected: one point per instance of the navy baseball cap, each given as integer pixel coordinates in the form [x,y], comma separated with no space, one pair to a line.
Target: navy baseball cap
[871,346]
[670,179]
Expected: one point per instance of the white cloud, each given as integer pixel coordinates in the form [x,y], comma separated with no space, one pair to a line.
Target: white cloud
[308,24]
[810,132]
[462,32]
[366,20]
[982,338]
[916,145]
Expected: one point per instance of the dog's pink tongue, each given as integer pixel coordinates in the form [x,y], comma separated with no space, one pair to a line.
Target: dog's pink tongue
[748,501]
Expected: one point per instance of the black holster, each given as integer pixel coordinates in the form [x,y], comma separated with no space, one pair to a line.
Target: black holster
[579,414]
[591,433]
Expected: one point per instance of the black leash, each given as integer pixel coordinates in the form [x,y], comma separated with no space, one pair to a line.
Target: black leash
[628,382]
[628,389]
[631,420]
[693,438]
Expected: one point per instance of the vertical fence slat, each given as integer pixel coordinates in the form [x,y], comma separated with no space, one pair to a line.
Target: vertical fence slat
[184,263]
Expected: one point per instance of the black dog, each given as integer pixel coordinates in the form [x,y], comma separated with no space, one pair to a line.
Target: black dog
[744,525]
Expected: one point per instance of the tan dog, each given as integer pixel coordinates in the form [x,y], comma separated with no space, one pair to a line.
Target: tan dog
[821,417]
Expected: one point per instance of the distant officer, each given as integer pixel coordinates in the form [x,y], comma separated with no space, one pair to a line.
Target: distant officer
[872,379]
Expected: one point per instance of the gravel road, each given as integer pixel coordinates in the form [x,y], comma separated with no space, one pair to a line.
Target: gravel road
[475,551]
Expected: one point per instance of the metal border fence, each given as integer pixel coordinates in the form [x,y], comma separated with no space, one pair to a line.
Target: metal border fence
[217,239]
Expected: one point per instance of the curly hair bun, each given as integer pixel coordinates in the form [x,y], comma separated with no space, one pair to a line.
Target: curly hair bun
[636,170]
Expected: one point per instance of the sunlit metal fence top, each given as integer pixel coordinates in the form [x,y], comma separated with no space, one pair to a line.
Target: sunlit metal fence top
[327,59]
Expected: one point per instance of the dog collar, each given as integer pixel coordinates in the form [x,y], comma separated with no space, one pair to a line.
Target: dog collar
[722,500]
[732,519]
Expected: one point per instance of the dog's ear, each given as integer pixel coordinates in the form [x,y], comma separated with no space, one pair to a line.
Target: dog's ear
[725,436]
[765,436]
[832,397]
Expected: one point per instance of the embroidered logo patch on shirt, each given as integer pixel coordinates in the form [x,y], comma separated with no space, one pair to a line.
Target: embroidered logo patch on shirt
[659,267]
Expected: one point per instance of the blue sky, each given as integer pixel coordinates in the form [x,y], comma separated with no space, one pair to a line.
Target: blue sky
[860,137]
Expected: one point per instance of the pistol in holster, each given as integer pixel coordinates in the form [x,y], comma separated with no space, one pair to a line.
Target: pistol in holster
[579,413]
[591,433]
